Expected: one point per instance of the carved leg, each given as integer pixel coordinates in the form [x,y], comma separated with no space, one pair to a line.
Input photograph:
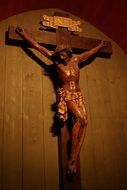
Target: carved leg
[81,137]
[81,132]
[78,134]
[74,142]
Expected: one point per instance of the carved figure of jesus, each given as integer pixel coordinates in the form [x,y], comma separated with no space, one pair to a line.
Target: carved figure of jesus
[71,99]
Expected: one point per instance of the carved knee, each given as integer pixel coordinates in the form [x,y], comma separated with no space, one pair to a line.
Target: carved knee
[84,121]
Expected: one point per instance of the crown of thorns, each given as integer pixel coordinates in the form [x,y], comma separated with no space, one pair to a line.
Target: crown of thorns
[60,49]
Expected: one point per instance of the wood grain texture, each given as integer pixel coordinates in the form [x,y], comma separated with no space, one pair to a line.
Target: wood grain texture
[2,96]
[12,144]
[50,142]
[49,39]
[28,152]
[32,105]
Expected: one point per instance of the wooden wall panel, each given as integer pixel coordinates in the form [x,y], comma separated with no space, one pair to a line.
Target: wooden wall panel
[33,135]
[106,86]
[2,97]
[104,152]
[118,88]
[87,151]
[28,152]
[50,146]
[12,144]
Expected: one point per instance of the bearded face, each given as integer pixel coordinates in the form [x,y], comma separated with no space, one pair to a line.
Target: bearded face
[62,55]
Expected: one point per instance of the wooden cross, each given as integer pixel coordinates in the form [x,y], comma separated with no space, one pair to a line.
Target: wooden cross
[51,40]
[64,35]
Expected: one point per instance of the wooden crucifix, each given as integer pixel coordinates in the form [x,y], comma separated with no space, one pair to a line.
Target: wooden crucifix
[70,97]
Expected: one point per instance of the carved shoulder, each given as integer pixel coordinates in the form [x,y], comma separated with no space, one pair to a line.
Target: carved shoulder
[75,59]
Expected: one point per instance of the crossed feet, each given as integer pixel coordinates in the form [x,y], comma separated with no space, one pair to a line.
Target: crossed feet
[71,168]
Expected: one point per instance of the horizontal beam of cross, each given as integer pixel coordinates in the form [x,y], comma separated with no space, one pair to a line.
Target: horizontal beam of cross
[48,39]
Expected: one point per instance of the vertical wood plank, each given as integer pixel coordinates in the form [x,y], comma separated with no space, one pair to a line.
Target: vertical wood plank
[118,88]
[51,147]
[106,113]
[2,97]
[100,100]
[33,143]
[12,147]
[88,176]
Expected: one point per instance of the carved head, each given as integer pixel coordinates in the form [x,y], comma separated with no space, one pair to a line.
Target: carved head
[62,53]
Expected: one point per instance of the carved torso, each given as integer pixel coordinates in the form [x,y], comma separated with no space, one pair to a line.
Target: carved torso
[69,74]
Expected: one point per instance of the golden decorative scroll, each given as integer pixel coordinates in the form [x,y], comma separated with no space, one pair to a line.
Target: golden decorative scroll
[56,21]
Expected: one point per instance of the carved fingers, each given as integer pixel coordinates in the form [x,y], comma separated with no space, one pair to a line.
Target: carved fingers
[103,44]
[19,29]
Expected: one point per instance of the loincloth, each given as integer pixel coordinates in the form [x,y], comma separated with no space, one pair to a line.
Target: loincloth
[66,96]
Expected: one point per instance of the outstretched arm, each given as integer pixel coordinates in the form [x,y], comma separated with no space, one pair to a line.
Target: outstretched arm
[91,52]
[33,43]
